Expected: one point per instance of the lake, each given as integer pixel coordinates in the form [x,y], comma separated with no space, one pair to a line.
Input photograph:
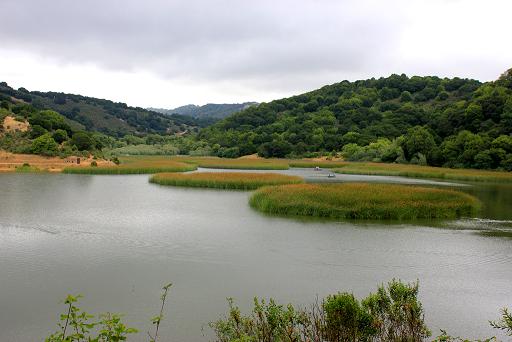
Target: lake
[118,239]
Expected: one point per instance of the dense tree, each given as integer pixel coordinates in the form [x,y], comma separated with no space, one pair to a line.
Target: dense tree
[60,136]
[82,140]
[442,121]
[418,140]
[45,145]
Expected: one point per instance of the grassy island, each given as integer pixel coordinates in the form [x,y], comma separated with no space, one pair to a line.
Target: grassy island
[363,201]
[417,171]
[224,180]
[135,165]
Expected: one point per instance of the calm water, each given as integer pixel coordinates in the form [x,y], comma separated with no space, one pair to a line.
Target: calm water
[118,239]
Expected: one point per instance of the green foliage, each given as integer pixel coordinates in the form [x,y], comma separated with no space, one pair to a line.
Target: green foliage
[428,115]
[77,325]
[60,136]
[45,145]
[363,201]
[92,114]
[397,312]
[82,140]
[392,314]
[418,140]
[505,323]
[36,131]
[346,319]
[224,180]
[158,319]
[148,150]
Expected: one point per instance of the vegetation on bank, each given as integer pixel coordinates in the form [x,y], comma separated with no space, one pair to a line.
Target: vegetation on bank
[363,201]
[224,180]
[456,123]
[327,164]
[417,171]
[392,313]
[134,165]
[452,122]
[238,163]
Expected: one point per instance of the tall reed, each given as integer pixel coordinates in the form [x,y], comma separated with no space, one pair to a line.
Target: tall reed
[224,180]
[363,201]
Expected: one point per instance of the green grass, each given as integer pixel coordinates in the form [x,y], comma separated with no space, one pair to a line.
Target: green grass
[363,201]
[417,171]
[224,180]
[326,164]
[239,163]
[135,165]
[28,169]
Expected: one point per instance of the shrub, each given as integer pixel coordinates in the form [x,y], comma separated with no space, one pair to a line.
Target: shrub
[44,145]
[381,317]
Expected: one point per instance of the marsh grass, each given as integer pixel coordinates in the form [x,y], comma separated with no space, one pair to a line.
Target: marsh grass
[239,163]
[417,171]
[363,201]
[135,165]
[224,180]
[26,168]
[322,164]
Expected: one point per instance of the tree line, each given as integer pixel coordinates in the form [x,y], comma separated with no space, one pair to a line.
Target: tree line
[427,120]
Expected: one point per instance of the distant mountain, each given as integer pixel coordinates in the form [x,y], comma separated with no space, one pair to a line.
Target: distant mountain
[210,110]
[92,114]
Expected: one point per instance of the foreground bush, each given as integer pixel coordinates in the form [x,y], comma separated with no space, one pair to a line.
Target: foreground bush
[77,325]
[393,313]
[224,180]
[363,201]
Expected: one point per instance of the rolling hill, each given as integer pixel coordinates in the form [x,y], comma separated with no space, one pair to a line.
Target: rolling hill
[105,116]
[210,110]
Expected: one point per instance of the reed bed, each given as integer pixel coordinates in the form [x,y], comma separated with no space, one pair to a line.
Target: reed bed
[326,164]
[135,165]
[224,180]
[239,163]
[364,201]
[417,171]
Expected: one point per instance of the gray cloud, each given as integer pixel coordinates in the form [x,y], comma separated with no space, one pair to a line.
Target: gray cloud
[204,40]
[283,45]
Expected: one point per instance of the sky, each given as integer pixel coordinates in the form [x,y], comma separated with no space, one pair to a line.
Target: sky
[167,53]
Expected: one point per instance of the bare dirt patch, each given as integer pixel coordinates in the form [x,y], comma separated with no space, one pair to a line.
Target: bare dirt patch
[10,161]
[11,124]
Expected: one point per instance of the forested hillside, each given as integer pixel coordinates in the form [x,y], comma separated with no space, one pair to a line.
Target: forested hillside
[208,111]
[440,121]
[92,114]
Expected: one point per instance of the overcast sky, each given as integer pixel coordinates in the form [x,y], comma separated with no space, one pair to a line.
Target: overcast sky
[169,53]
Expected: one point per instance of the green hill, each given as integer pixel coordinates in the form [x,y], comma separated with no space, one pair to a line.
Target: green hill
[439,121]
[210,110]
[92,114]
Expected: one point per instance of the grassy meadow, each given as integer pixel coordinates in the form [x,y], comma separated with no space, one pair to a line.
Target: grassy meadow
[238,163]
[363,201]
[224,180]
[417,171]
[135,165]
